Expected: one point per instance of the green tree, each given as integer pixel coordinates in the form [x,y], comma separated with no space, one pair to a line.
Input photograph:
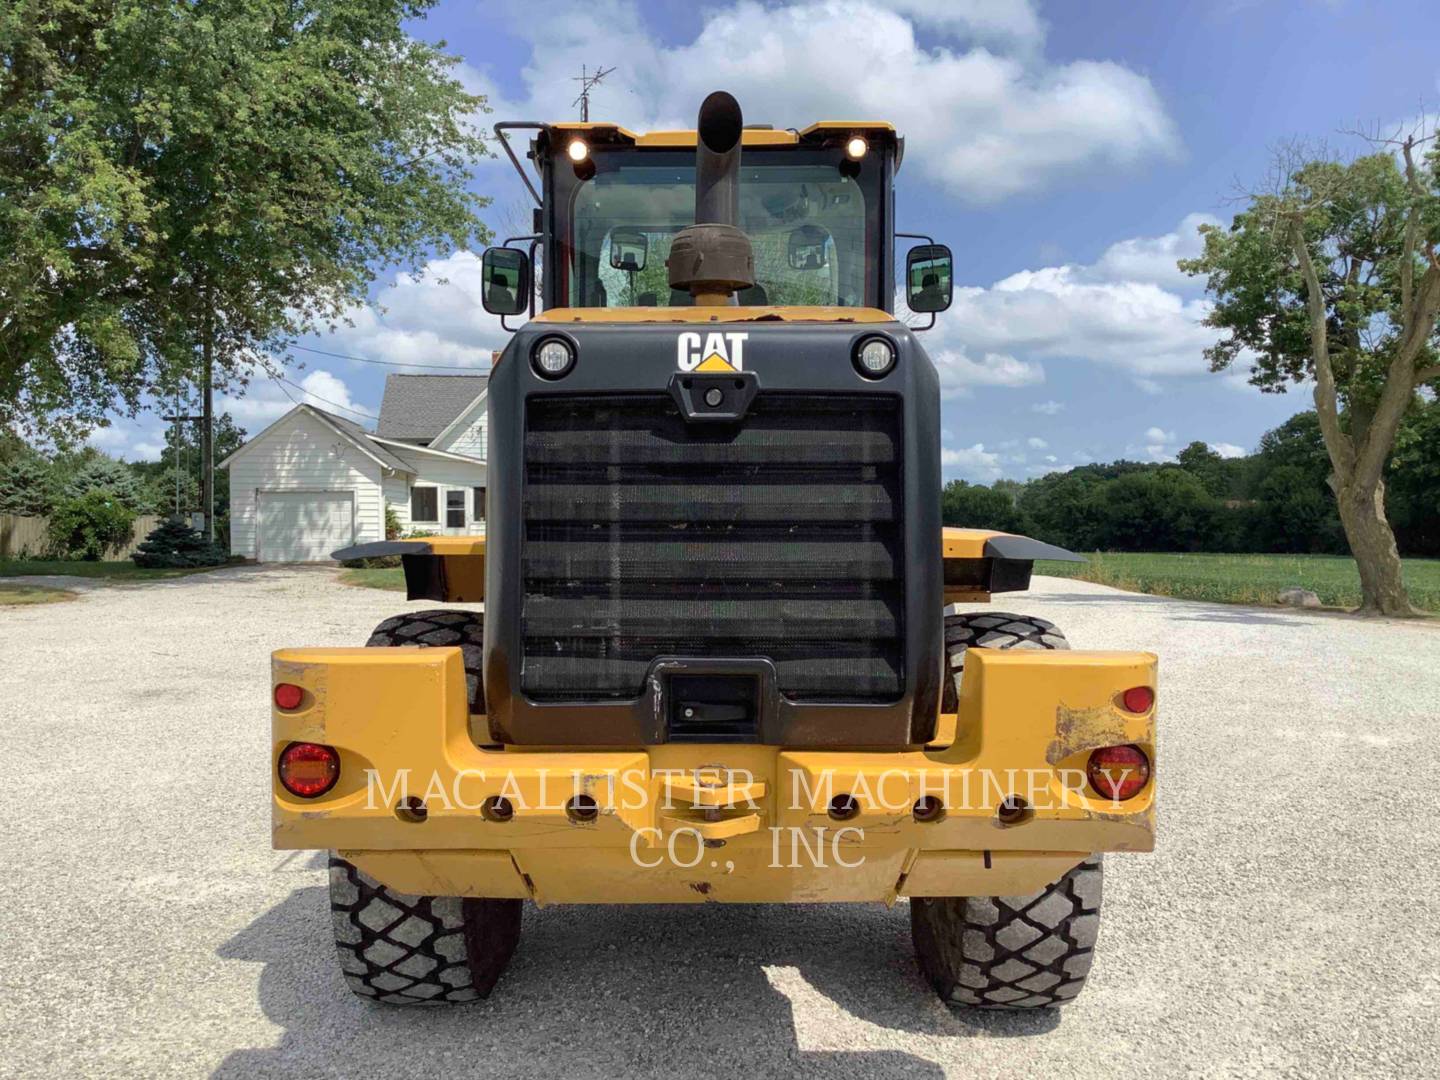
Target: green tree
[27,486]
[193,181]
[159,476]
[975,506]
[1163,509]
[117,479]
[1413,485]
[1212,470]
[172,543]
[1334,275]
[161,486]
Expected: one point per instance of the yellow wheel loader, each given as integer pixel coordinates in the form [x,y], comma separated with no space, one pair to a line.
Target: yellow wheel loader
[722,657]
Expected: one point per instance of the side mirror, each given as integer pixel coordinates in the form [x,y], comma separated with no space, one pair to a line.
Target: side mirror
[929,281]
[807,248]
[505,281]
[628,248]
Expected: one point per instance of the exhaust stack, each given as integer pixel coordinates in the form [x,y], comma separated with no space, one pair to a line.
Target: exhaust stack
[712,259]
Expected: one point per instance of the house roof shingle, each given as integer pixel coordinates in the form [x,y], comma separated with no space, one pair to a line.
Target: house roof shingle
[360,435]
[422,406]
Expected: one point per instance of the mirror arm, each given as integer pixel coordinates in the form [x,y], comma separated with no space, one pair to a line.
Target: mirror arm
[929,240]
[534,239]
[531,125]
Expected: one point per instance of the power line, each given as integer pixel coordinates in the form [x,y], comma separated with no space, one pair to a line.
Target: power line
[383,363]
[281,380]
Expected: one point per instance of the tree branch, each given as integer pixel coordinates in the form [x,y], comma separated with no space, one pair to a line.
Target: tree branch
[1342,451]
[1411,242]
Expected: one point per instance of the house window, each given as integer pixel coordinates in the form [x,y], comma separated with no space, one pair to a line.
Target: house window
[479,514]
[455,509]
[424,504]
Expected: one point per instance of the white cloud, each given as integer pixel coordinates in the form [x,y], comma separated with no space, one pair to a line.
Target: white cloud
[1159,445]
[1152,258]
[1148,386]
[1002,22]
[1051,458]
[128,439]
[109,439]
[433,317]
[1048,408]
[265,400]
[984,121]
[958,373]
[1083,312]
[1036,443]
[1227,450]
[972,463]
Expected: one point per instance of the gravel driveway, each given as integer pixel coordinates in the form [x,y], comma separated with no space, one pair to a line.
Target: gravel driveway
[1287,923]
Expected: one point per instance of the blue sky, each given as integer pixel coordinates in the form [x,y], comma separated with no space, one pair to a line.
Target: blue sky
[1065,151]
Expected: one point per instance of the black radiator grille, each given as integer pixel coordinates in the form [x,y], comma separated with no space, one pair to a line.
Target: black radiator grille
[778,537]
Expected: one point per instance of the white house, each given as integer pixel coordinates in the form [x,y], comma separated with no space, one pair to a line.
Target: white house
[313,482]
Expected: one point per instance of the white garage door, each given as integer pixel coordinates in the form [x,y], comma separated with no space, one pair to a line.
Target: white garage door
[305,526]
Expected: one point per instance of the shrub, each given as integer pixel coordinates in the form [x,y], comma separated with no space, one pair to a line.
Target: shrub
[173,544]
[392,524]
[90,526]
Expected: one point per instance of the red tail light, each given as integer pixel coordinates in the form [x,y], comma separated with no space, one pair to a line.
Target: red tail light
[1118,773]
[309,770]
[1138,699]
[288,695]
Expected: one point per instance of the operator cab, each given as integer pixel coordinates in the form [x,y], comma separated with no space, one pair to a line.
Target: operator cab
[817,206]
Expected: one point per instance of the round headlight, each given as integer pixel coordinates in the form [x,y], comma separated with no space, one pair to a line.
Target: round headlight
[875,357]
[553,358]
[855,147]
[578,150]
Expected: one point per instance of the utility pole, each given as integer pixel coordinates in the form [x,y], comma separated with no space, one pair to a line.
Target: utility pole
[207,425]
[587,83]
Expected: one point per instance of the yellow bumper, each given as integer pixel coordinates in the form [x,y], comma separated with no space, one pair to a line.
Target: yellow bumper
[415,802]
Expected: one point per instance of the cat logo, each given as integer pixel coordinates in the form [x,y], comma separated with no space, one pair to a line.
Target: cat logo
[718,352]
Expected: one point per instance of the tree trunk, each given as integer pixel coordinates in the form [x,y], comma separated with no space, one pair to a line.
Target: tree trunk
[1372,543]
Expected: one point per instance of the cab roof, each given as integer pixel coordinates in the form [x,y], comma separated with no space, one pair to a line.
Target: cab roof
[826,131]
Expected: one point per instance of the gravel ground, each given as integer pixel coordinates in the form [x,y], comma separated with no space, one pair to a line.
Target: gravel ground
[1287,922]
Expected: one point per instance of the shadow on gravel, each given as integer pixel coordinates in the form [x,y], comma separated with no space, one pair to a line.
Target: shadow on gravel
[241,572]
[1239,617]
[611,991]
[1092,599]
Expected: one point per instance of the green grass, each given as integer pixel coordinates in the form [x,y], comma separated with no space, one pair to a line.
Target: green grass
[120,570]
[392,578]
[1242,579]
[18,595]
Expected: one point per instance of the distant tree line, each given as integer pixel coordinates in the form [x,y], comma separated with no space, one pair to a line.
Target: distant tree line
[1275,500]
[33,483]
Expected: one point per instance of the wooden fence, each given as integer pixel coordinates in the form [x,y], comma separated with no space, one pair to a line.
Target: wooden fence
[28,535]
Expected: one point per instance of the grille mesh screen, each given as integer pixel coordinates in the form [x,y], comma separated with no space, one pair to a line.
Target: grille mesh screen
[778,537]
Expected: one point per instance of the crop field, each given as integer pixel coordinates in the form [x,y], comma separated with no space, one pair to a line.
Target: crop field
[1241,579]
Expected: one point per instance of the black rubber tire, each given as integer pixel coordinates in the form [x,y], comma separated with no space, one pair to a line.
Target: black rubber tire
[418,950]
[1011,952]
[442,626]
[992,630]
